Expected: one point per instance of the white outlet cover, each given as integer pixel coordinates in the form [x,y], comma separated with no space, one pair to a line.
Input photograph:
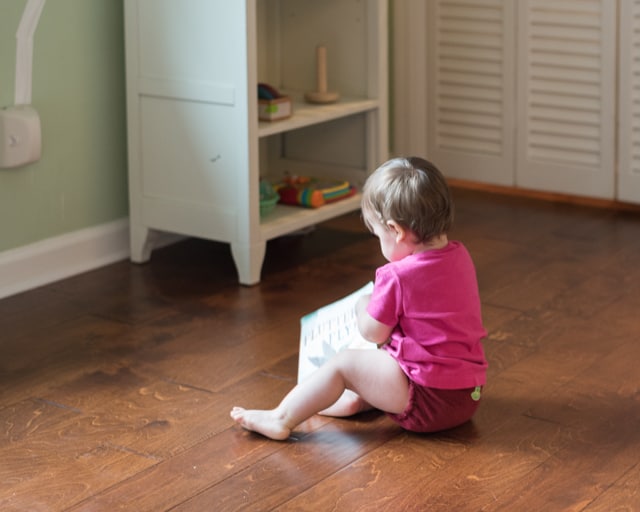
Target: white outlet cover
[20,136]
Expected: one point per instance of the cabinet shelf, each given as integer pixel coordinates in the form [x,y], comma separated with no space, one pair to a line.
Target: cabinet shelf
[306,114]
[285,219]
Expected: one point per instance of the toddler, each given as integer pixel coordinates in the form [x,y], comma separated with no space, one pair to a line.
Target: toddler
[424,315]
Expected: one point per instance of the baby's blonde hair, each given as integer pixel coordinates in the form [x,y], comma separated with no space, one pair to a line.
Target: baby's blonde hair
[412,192]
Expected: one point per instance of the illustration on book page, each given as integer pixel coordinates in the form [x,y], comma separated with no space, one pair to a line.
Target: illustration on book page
[328,330]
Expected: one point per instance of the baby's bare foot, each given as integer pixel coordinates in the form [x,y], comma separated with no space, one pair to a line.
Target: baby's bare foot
[266,423]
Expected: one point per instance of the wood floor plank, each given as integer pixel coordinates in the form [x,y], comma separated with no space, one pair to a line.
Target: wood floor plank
[48,467]
[210,358]
[24,316]
[165,485]
[622,496]
[433,472]
[533,379]
[285,474]
[27,368]
[93,472]
[192,472]
[227,451]
[571,481]
[605,422]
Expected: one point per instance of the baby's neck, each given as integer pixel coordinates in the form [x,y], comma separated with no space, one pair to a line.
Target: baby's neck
[437,242]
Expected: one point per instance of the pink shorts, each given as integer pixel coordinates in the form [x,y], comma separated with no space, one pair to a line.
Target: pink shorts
[431,409]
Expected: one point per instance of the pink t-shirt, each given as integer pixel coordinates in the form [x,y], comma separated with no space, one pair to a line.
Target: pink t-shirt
[431,299]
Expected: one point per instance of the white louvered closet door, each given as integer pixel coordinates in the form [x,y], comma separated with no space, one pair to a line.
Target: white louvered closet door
[471,87]
[566,96]
[628,186]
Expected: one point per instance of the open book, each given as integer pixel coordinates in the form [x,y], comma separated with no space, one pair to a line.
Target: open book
[328,330]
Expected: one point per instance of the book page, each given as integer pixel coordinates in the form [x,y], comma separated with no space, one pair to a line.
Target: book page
[328,330]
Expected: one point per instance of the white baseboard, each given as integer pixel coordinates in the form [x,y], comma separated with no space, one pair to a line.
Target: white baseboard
[50,260]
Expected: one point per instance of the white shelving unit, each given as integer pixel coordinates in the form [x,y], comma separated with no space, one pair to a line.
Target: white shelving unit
[196,148]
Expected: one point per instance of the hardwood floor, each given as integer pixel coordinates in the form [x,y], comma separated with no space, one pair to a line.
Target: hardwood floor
[116,385]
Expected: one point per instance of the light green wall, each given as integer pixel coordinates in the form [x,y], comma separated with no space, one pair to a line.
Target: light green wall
[78,90]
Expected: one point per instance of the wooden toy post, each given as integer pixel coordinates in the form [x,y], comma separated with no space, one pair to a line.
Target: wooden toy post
[321,95]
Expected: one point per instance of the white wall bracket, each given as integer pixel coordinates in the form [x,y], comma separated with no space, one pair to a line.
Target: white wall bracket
[20,132]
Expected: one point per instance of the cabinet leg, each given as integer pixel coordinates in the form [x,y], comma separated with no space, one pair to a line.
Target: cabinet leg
[140,241]
[248,260]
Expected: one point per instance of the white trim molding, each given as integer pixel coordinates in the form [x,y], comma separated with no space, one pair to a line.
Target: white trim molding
[56,258]
[53,259]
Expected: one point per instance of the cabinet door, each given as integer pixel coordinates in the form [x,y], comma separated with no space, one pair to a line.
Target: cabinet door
[566,96]
[628,187]
[470,82]
[188,116]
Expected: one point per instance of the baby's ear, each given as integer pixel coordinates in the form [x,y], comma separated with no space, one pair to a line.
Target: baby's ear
[392,225]
[400,232]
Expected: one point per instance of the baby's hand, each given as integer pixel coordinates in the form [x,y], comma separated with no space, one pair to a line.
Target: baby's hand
[370,329]
[380,345]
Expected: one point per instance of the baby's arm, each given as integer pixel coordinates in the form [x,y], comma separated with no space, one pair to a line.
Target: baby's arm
[370,329]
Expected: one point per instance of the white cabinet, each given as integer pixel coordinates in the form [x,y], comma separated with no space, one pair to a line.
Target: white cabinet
[471,89]
[526,93]
[566,74]
[628,186]
[196,148]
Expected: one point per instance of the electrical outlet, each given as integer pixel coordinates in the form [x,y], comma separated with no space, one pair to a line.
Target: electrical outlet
[20,136]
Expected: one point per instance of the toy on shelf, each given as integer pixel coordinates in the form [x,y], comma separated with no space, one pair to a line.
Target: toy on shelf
[312,192]
[321,94]
[272,105]
[268,198]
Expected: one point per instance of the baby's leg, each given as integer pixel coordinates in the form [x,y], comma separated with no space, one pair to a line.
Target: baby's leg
[320,390]
[372,375]
[348,404]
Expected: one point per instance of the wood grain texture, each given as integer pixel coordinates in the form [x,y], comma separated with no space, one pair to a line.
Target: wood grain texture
[116,385]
